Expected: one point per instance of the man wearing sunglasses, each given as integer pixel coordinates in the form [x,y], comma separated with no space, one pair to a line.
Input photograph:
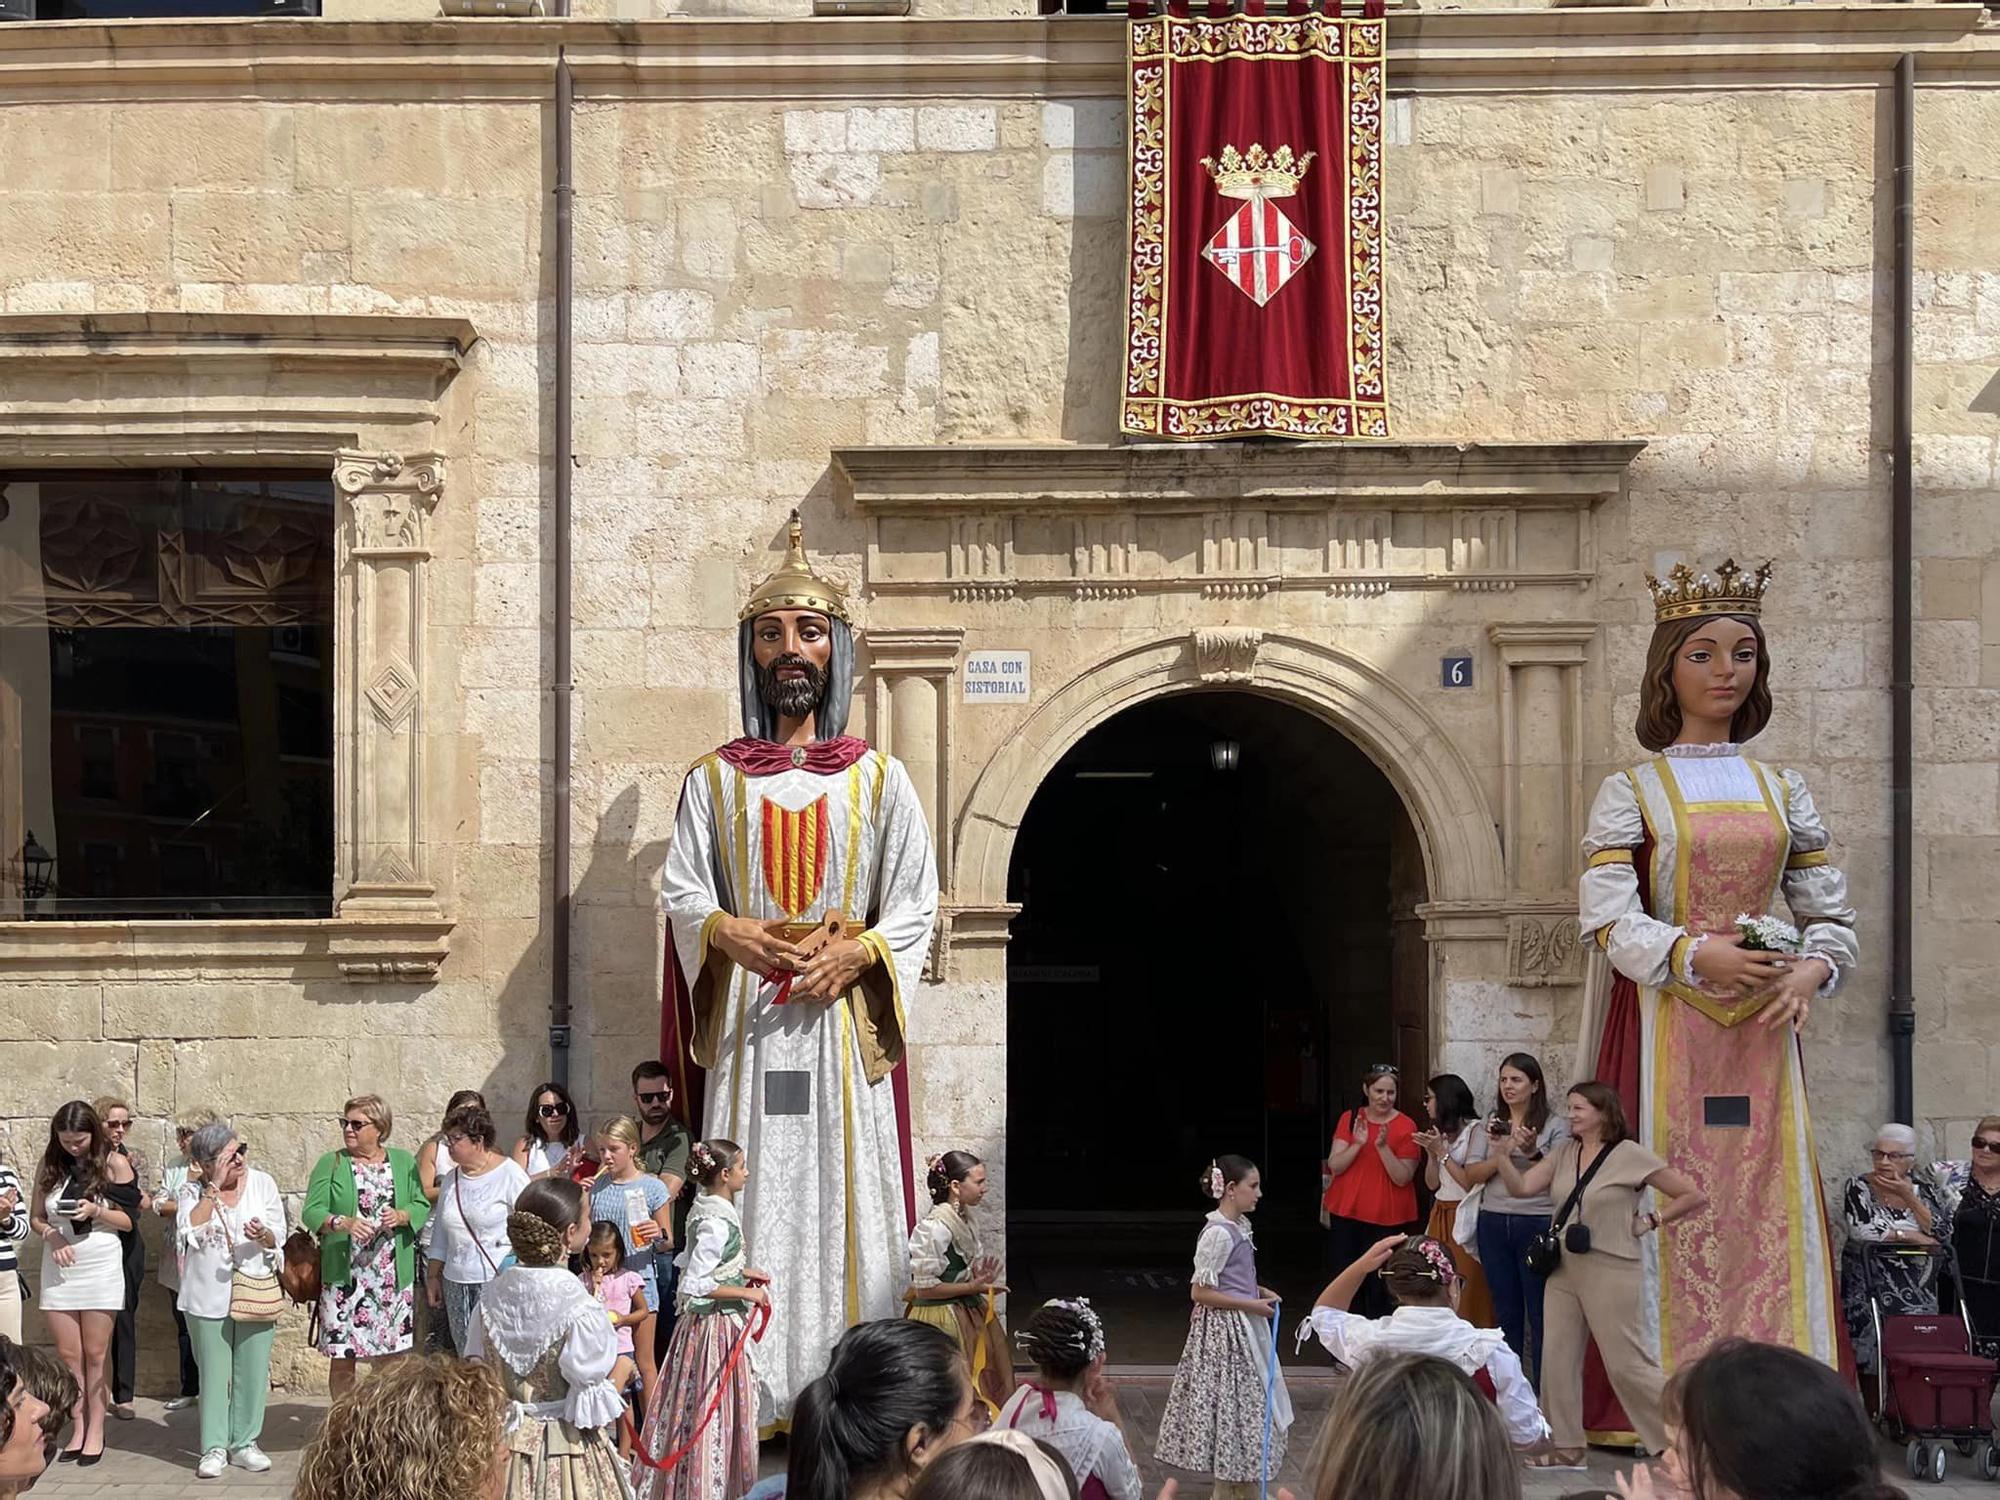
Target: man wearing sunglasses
[664,1142]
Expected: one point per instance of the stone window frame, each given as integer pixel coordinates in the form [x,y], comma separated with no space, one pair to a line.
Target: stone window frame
[360,396]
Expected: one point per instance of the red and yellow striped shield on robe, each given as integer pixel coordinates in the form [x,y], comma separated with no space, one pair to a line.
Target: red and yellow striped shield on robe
[794,855]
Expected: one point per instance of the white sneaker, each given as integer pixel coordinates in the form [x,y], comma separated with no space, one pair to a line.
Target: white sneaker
[212,1464]
[250,1457]
[181,1403]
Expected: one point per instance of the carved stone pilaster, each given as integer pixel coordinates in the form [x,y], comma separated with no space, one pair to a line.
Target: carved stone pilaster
[1541,746]
[1226,653]
[380,727]
[910,700]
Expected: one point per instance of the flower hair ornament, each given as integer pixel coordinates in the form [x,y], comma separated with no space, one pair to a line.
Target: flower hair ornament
[1439,1259]
[701,1156]
[536,1241]
[1214,1182]
[934,1165]
[1088,1340]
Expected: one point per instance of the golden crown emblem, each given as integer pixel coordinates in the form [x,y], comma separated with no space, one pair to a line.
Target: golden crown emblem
[796,585]
[1729,590]
[1257,174]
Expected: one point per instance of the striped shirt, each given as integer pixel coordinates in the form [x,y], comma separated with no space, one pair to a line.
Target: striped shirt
[14,1227]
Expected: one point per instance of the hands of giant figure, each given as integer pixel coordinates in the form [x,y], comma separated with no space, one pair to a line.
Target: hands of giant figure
[833,971]
[755,946]
[1792,995]
[1723,961]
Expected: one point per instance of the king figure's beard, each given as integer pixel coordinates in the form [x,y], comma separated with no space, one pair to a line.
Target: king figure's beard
[792,697]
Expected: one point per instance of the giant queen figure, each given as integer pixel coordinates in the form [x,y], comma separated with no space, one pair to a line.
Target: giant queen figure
[1696,1029]
[800,1025]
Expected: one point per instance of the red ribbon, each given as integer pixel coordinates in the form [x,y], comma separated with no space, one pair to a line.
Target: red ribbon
[769,758]
[1048,1402]
[753,1328]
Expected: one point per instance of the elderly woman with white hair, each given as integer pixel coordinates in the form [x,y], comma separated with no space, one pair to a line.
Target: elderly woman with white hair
[1896,1225]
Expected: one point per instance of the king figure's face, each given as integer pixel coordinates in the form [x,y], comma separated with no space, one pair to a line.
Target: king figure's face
[792,649]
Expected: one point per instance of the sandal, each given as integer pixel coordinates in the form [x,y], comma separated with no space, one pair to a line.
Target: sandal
[1557,1459]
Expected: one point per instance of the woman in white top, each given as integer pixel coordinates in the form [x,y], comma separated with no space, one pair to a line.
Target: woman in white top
[1423,1280]
[230,1221]
[433,1161]
[551,1135]
[1450,1148]
[1069,1404]
[85,1197]
[552,1346]
[469,1226]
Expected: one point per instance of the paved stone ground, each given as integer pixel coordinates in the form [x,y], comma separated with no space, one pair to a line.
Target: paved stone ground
[153,1457]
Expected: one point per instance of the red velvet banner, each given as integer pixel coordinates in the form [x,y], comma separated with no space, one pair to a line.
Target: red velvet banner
[1254,283]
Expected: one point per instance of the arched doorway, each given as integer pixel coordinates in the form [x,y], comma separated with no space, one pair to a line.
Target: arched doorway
[1217,935]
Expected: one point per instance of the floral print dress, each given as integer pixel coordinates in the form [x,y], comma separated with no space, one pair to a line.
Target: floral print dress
[371,1315]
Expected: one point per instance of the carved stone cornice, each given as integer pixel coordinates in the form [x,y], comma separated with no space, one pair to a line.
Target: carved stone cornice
[922,58]
[1225,521]
[405,949]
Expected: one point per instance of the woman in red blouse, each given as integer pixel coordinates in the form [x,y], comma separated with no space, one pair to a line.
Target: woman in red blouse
[1374,1165]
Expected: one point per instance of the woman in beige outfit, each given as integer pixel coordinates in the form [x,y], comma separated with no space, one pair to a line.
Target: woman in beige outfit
[1595,1294]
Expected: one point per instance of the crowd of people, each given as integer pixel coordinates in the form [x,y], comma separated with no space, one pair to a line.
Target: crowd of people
[587,1302]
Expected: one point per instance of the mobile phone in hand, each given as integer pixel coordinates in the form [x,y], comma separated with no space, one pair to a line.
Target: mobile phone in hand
[68,1207]
[1499,1126]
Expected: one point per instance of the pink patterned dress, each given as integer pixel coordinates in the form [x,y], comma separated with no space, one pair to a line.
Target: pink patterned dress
[371,1315]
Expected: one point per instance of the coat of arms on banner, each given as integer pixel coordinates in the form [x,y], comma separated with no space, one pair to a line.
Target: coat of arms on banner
[1254,284]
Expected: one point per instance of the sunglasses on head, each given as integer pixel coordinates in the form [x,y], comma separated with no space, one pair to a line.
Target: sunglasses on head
[660,1096]
[1384,1070]
[1985,1143]
[552,1111]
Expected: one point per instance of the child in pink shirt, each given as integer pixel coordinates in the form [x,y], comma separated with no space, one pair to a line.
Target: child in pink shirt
[617,1290]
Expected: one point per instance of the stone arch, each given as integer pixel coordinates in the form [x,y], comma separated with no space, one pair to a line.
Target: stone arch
[1461,845]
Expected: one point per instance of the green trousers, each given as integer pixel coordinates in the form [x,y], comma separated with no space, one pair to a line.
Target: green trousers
[235,1363]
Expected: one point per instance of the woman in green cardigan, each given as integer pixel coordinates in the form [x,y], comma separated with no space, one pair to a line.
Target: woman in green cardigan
[366,1205]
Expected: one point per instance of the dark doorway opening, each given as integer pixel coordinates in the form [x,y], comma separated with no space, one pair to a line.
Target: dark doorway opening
[1217,936]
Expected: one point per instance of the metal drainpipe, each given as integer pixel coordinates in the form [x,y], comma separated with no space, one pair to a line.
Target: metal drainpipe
[559,997]
[1902,995]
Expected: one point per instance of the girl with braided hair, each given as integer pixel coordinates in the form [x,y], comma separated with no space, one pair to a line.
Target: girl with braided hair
[1069,1404]
[1227,1389]
[1420,1274]
[554,1350]
[953,1282]
[704,1405]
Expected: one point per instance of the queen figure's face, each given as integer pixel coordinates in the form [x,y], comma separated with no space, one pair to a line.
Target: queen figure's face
[1715,668]
[792,649]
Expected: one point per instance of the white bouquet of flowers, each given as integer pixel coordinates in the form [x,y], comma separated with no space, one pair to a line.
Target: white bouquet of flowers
[1768,934]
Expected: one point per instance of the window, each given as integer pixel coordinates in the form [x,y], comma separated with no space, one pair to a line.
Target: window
[166,693]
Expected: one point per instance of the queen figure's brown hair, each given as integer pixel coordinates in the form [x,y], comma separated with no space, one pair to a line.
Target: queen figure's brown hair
[1659,722]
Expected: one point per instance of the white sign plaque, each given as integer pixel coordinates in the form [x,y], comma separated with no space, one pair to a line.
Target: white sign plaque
[996,677]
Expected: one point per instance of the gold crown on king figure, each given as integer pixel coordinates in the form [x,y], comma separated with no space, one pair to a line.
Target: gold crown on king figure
[1257,173]
[796,585]
[1729,590]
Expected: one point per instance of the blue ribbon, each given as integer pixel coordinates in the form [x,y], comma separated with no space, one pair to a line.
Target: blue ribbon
[1270,1399]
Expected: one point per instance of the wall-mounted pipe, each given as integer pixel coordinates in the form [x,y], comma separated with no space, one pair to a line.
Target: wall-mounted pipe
[1902,602]
[559,946]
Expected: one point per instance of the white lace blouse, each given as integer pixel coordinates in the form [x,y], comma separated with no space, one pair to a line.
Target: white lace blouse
[522,1313]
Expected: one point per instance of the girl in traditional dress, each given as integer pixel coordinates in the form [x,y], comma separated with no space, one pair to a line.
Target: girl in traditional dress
[1421,1274]
[1069,1404]
[707,1372]
[554,1350]
[1696,1030]
[1227,1381]
[952,1283]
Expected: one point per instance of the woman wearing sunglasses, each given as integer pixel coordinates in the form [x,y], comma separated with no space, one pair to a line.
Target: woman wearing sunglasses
[1972,1189]
[366,1205]
[551,1135]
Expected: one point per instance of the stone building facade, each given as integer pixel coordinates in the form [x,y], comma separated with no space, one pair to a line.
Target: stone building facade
[1639,309]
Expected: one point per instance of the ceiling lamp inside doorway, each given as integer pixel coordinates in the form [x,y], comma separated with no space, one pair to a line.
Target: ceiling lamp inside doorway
[1224,754]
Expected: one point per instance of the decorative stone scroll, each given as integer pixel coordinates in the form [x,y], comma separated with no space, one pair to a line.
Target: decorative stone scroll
[1227,653]
[382,558]
[1543,951]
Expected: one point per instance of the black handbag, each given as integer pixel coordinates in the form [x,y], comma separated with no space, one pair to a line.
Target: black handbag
[1545,1250]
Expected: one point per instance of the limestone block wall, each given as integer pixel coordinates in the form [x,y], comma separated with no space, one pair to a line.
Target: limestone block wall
[772,274]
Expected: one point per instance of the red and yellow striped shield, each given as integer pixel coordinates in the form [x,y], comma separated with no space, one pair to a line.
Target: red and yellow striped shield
[794,855]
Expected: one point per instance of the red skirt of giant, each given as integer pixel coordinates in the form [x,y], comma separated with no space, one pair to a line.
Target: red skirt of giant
[1254,279]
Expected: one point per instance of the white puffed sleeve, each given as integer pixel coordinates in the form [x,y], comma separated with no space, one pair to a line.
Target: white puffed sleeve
[928,1243]
[590,1349]
[1332,1326]
[1211,1254]
[702,1258]
[1639,946]
[1815,889]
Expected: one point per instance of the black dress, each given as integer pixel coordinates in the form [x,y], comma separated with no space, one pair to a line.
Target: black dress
[1975,1243]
